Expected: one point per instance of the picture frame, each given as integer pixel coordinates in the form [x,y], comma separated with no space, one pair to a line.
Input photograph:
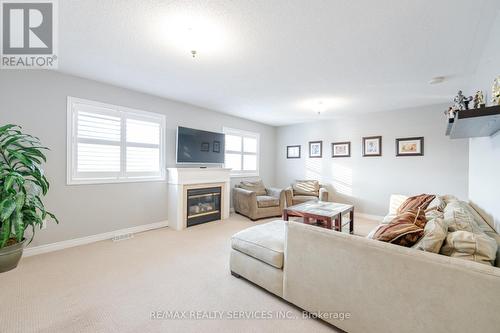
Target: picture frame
[205,146]
[293,151]
[410,146]
[216,146]
[315,149]
[341,149]
[372,146]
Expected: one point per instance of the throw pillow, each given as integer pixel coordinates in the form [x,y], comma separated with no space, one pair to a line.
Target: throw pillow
[254,186]
[405,229]
[471,246]
[421,201]
[306,187]
[435,232]
[460,218]
[436,204]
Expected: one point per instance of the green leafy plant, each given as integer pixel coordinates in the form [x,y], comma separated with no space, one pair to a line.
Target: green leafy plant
[22,185]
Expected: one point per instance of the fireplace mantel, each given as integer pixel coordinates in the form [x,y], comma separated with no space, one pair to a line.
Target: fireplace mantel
[182,179]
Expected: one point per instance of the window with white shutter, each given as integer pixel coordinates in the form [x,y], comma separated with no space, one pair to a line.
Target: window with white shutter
[242,152]
[108,143]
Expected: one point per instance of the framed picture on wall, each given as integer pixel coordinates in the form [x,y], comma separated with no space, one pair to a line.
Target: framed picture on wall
[293,151]
[341,149]
[216,146]
[410,146]
[372,146]
[205,146]
[315,149]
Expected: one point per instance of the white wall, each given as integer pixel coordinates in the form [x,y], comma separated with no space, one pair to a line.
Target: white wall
[36,100]
[368,182]
[484,162]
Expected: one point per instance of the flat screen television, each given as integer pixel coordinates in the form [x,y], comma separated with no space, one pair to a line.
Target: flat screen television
[199,147]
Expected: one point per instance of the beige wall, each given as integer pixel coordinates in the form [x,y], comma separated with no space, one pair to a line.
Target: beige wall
[36,100]
[368,182]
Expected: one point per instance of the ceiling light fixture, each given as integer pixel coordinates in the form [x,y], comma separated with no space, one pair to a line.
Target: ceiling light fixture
[194,34]
[321,107]
[322,104]
[192,41]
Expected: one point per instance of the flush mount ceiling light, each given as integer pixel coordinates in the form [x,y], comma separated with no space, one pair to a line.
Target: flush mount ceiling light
[194,35]
[192,40]
[321,105]
[437,80]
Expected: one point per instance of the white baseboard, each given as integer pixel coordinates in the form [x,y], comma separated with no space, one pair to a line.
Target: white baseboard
[31,251]
[369,216]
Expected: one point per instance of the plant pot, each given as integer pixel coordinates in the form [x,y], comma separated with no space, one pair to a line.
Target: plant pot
[10,256]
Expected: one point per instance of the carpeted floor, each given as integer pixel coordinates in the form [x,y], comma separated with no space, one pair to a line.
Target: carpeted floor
[115,286]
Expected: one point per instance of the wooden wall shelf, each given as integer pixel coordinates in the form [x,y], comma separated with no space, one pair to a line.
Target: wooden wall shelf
[474,123]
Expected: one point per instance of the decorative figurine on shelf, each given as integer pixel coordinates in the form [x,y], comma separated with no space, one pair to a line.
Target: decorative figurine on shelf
[495,92]
[462,102]
[479,100]
[450,113]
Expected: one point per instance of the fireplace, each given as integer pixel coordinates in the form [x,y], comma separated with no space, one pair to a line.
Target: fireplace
[203,205]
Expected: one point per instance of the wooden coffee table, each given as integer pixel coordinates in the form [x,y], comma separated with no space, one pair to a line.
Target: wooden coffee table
[323,214]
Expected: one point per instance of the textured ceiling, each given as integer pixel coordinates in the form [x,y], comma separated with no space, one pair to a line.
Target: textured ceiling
[273,61]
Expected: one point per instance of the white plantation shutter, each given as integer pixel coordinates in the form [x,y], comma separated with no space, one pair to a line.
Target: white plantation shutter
[242,152]
[109,143]
[143,146]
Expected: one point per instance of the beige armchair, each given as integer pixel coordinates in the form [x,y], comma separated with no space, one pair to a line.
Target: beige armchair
[255,201]
[305,190]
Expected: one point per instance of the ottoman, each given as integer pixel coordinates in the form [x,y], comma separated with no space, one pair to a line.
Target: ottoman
[257,255]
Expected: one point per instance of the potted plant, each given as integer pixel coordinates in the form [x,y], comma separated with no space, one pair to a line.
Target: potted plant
[22,186]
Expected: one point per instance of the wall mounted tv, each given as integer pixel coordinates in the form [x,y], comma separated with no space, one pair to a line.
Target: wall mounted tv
[199,147]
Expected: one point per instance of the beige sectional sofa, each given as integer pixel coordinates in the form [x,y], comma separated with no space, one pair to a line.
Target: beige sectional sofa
[383,287]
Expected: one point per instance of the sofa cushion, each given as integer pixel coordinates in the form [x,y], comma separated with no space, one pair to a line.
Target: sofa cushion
[496,237]
[298,199]
[264,242]
[437,204]
[435,232]
[405,229]
[395,202]
[264,201]
[306,187]
[459,218]
[433,214]
[421,201]
[471,246]
[256,186]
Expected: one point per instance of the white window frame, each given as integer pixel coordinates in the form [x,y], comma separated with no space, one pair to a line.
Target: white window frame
[244,134]
[73,177]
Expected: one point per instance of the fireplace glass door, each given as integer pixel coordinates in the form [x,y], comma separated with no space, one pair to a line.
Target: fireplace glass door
[203,205]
